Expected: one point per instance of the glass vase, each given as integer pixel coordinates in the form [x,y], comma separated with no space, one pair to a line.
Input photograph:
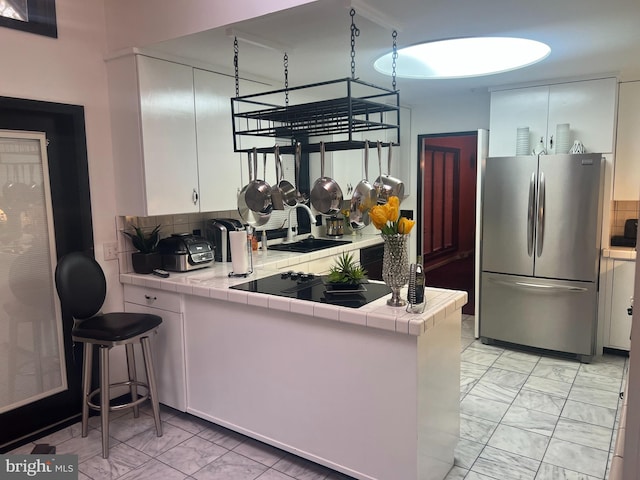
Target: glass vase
[395,266]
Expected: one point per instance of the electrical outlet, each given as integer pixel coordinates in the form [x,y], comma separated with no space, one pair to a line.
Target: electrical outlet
[110,251]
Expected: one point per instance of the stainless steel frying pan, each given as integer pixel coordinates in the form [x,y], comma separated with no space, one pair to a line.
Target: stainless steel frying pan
[387,185]
[250,216]
[326,195]
[364,197]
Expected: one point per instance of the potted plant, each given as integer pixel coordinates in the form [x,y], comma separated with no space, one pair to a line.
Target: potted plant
[346,273]
[147,258]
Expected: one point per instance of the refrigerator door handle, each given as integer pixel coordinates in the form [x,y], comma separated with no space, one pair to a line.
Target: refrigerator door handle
[540,226]
[539,286]
[550,287]
[531,214]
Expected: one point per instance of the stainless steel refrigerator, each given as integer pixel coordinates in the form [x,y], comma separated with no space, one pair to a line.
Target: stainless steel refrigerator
[541,230]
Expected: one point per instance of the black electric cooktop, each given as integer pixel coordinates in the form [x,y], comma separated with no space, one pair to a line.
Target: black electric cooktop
[307,286]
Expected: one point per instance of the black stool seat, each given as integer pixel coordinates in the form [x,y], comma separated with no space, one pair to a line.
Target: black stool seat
[115,327]
[82,289]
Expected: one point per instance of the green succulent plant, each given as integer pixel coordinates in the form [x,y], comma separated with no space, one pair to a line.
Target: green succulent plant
[346,270]
[144,242]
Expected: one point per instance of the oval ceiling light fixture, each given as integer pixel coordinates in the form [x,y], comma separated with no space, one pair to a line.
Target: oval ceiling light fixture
[463,57]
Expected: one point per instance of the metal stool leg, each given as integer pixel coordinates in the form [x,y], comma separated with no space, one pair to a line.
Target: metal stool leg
[131,367]
[104,398]
[151,380]
[87,360]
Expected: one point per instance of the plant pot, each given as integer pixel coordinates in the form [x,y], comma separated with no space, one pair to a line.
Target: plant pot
[146,262]
[342,285]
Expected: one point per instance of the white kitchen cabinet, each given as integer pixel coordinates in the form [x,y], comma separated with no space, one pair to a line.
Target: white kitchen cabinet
[167,346]
[154,136]
[587,106]
[619,331]
[627,161]
[348,169]
[220,169]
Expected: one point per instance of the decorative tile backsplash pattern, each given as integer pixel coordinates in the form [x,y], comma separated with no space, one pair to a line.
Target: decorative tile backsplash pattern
[181,223]
[622,210]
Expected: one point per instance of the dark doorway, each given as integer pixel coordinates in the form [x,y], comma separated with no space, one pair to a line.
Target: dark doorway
[446,210]
[64,128]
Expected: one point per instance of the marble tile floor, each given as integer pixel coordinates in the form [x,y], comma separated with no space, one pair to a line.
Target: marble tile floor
[523,417]
[529,417]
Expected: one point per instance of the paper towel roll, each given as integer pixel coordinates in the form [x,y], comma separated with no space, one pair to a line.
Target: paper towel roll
[239,252]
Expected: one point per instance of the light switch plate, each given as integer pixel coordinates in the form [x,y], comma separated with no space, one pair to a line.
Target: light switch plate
[110,251]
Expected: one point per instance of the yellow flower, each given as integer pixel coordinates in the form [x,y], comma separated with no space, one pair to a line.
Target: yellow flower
[378,216]
[405,225]
[386,218]
[392,211]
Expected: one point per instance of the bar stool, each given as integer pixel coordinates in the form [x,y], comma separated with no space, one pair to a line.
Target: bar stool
[82,289]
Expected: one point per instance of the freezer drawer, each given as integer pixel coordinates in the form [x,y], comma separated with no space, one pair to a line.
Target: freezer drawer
[550,314]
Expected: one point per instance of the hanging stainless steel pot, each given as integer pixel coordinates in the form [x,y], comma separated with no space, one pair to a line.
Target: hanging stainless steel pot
[326,195]
[250,216]
[387,185]
[258,193]
[300,197]
[364,197]
[289,192]
[276,193]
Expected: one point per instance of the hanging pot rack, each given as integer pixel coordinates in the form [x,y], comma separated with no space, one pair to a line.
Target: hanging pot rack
[358,107]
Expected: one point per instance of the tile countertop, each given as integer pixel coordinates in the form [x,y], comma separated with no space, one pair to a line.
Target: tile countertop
[214,282]
[619,253]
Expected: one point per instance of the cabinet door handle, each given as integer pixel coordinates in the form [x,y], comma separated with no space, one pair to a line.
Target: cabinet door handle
[149,297]
[194,197]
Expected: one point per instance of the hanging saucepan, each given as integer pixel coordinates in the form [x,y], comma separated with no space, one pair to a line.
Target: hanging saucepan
[300,197]
[326,195]
[364,197]
[250,216]
[289,193]
[258,194]
[387,185]
[276,193]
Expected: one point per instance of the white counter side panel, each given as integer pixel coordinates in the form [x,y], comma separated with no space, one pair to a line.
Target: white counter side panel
[355,399]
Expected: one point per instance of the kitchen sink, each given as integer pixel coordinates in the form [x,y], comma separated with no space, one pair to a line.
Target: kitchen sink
[308,245]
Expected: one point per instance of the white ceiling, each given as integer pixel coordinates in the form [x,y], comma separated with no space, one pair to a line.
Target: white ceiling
[587,38]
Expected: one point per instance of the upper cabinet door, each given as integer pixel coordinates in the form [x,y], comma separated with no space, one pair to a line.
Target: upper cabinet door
[511,109]
[219,166]
[154,136]
[589,107]
[627,161]
[168,136]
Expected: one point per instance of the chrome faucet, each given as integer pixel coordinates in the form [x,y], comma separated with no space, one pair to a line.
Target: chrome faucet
[290,234]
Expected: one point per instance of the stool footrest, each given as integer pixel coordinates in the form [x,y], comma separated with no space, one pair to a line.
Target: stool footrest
[121,406]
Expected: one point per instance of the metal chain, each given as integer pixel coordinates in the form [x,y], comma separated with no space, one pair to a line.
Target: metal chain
[355,32]
[286,79]
[394,57]
[235,65]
